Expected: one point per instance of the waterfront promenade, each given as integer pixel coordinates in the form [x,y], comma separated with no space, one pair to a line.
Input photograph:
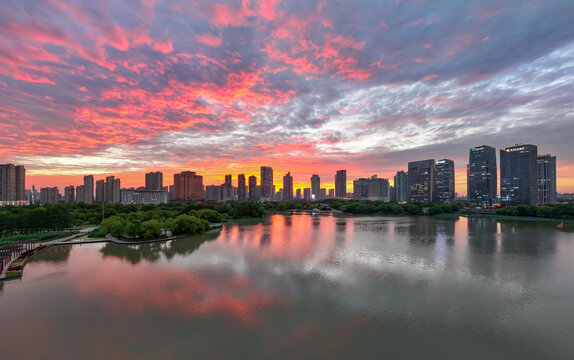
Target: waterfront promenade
[14,257]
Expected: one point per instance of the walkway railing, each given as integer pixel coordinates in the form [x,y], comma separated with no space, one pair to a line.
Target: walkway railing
[14,251]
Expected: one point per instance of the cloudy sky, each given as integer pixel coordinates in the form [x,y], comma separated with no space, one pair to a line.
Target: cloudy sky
[124,87]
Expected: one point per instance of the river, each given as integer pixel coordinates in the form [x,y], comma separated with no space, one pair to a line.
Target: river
[304,287]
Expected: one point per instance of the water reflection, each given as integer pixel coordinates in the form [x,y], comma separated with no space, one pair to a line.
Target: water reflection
[300,286]
[423,231]
[153,252]
[478,224]
[532,238]
[52,254]
[482,234]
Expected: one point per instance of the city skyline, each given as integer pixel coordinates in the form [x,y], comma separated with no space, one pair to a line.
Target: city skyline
[107,88]
[525,178]
[278,179]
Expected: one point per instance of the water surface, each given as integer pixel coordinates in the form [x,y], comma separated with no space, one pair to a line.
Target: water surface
[303,287]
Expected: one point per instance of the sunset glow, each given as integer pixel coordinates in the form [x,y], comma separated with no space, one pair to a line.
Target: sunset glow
[125,87]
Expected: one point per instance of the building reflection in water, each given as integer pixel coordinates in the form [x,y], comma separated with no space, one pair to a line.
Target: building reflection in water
[535,239]
[340,233]
[265,240]
[301,282]
[482,236]
[423,230]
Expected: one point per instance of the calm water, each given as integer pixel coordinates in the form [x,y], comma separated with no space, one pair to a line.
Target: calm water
[302,287]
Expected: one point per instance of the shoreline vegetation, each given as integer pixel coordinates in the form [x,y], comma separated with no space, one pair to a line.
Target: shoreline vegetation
[178,218]
[35,237]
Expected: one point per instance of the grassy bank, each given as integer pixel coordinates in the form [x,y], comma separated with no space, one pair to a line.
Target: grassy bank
[39,237]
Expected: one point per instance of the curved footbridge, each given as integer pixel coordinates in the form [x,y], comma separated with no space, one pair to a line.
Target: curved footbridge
[15,256]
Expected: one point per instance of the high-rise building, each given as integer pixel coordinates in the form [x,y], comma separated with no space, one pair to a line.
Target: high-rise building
[80,193]
[89,189]
[153,181]
[307,194]
[252,188]
[187,186]
[287,194]
[421,180]
[322,194]
[116,192]
[12,182]
[401,187]
[546,180]
[315,187]
[392,194]
[7,182]
[481,175]
[32,195]
[298,196]
[20,182]
[228,180]
[100,191]
[241,188]
[227,191]
[331,193]
[378,189]
[267,190]
[341,184]
[519,175]
[143,196]
[112,190]
[278,195]
[361,189]
[49,195]
[444,181]
[69,194]
[213,193]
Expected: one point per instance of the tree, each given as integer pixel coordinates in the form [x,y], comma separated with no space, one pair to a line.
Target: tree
[151,228]
[187,224]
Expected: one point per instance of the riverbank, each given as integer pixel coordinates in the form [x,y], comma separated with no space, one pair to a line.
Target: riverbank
[34,237]
[13,267]
[16,255]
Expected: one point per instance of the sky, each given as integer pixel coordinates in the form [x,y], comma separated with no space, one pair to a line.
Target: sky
[123,87]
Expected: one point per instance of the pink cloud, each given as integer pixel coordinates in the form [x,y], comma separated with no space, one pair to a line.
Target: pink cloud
[209,39]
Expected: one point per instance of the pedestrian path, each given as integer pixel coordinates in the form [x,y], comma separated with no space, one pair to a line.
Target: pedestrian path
[16,255]
[13,263]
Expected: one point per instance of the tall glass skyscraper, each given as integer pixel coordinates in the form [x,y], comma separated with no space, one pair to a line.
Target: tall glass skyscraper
[315,187]
[519,175]
[421,180]
[482,175]
[401,186]
[546,180]
[444,181]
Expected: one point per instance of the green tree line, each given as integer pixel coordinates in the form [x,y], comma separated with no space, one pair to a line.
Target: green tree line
[366,207]
[561,211]
[52,217]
